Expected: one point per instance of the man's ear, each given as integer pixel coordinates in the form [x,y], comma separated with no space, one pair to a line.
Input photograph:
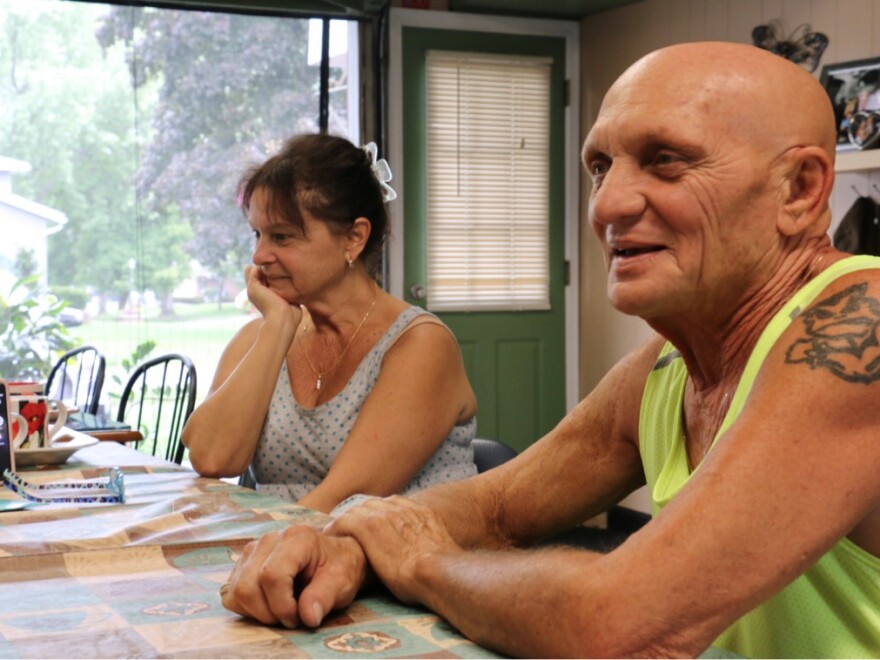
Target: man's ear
[808,183]
[356,238]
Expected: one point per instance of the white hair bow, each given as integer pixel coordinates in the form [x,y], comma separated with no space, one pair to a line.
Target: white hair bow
[381,171]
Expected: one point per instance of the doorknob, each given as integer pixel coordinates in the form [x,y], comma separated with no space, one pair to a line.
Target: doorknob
[418,292]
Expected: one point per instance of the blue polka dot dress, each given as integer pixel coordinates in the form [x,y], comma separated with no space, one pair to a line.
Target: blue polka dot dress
[297,445]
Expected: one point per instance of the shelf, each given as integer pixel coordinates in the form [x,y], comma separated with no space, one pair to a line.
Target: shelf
[855,161]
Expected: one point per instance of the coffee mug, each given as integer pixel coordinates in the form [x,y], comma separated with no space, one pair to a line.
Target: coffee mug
[34,411]
[18,428]
[24,387]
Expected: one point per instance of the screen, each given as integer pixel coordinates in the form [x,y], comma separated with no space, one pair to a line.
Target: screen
[6,461]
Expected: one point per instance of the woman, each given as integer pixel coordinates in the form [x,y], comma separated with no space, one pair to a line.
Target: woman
[339,388]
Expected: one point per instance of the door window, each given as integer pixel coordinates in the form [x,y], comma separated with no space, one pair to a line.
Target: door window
[488,141]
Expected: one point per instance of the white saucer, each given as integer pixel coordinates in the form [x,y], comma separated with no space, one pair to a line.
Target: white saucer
[62,449]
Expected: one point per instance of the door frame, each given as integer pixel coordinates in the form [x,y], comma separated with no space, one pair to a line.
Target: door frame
[444,20]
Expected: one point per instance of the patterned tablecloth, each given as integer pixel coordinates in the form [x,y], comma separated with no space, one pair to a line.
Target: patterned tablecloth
[141,579]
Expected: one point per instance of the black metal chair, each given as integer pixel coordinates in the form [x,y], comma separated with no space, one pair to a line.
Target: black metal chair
[157,400]
[246,480]
[491,453]
[77,378]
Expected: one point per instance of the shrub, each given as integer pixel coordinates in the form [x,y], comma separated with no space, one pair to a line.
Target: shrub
[75,296]
[32,336]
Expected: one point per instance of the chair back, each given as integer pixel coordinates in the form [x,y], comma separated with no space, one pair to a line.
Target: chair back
[157,400]
[491,453]
[77,378]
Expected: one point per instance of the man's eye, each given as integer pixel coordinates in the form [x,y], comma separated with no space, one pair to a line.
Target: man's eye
[665,159]
[673,161]
[598,168]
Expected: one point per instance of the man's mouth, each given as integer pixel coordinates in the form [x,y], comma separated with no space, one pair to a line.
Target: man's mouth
[635,251]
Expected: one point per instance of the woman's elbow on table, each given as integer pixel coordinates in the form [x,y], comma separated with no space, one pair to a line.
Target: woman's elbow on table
[207,456]
[207,465]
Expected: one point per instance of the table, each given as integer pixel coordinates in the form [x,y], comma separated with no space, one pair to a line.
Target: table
[141,579]
[88,422]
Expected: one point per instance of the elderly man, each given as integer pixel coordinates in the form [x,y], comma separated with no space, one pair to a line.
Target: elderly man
[753,416]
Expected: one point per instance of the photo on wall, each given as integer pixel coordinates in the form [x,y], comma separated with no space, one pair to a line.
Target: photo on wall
[854,90]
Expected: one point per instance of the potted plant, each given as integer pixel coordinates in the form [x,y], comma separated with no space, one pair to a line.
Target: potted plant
[32,335]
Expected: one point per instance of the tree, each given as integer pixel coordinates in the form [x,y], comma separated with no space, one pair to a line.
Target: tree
[138,123]
[231,88]
[25,263]
[68,111]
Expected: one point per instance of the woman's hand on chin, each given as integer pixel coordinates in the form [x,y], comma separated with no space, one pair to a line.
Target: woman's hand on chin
[269,303]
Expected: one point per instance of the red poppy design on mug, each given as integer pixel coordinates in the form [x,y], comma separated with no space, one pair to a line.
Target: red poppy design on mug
[35,414]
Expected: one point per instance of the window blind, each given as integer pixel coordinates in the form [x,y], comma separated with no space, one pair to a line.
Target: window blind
[487,182]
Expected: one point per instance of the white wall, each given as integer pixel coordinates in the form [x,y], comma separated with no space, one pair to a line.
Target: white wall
[612,40]
[21,230]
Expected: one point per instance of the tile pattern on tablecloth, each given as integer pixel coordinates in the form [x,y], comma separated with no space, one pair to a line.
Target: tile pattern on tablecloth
[163,506]
[154,601]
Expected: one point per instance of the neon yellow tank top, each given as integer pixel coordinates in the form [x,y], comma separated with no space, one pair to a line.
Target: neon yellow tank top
[832,610]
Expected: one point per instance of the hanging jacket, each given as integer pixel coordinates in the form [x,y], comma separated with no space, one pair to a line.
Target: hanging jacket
[859,230]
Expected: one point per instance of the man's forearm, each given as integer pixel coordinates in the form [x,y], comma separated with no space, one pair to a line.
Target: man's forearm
[471,510]
[540,603]
[512,602]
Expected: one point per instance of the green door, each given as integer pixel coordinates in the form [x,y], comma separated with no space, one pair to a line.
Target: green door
[515,360]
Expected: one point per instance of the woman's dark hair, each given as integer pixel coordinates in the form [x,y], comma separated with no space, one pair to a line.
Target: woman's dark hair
[327,176]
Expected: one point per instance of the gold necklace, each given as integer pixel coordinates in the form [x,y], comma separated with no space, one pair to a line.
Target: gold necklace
[319,375]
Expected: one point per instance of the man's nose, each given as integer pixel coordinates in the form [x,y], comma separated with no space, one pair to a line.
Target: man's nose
[619,196]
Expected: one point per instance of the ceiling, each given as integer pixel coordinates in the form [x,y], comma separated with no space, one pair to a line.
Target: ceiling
[558,9]
[567,9]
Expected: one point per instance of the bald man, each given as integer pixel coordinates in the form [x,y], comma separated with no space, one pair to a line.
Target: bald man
[752,416]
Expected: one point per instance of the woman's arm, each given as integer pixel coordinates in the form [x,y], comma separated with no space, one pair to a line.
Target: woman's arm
[222,433]
[421,393]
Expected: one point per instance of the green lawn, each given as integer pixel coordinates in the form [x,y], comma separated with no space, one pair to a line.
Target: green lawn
[200,331]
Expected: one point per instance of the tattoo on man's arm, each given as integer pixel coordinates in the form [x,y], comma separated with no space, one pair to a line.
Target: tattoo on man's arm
[840,334]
